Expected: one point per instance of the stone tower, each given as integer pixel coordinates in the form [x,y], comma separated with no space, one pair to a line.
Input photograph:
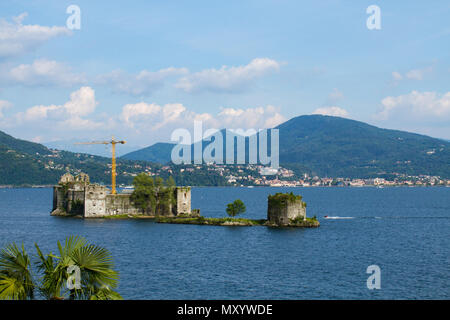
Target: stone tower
[283,208]
[183,198]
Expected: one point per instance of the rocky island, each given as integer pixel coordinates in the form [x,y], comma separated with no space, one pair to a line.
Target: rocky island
[283,210]
[77,197]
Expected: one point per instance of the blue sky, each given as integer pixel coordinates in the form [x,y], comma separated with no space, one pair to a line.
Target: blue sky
[142,69]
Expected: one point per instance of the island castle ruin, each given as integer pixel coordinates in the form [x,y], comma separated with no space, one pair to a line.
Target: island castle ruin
[77,196]
[285,208]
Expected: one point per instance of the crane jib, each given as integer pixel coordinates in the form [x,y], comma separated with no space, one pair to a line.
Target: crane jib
[113,162]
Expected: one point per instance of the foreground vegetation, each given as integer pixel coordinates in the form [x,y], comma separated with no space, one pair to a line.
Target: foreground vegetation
[80,271]
[308,222]
[211,221]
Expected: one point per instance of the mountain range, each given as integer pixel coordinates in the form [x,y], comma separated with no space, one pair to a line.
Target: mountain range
[318,145]
[28,163]
[339,147]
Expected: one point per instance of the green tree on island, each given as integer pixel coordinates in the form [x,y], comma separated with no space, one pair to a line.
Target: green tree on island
[143,195]
[235,208]
[92,263]
[153,196]
[167,200]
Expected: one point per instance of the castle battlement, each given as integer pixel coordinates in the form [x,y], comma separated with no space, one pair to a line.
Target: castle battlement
[284,208]
[76,196]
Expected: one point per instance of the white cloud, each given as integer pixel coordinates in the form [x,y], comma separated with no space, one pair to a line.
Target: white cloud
[81,124]
[82,102]
[256,118]
[397,76]
[172,112]
[17,38]
[69,115]
[144,117]
[331,111]
[414,74]
[418,74]
[228,79]
[143,83]
[416,105]
[4,105]
[38,112]
[130,111]
[42,72]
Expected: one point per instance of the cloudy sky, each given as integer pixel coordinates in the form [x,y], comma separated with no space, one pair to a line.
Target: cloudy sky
[142,70]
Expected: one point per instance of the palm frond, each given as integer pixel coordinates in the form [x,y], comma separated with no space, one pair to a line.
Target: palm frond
[96,266]
[97,276]
[11,289]
[15,273]
[71,244]
[105,294]
[49,285]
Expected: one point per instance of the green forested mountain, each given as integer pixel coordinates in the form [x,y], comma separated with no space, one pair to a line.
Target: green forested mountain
[23,162]
[28,163]
[332,146]
[339,147]
[22,146]
[319,145]
[159,152]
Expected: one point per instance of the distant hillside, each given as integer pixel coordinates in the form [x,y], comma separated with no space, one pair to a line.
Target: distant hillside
[23,162]
[332,146]
[27,163]
[339,147]
[318,145]
[24,146]
[94,149]
[159,152]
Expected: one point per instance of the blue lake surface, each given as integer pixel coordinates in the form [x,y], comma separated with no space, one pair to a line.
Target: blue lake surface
[405,231]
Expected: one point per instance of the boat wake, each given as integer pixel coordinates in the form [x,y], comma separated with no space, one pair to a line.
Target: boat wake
[337,217]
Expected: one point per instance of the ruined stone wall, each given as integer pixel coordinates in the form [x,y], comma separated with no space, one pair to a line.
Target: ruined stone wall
[120,204]
[95,201]
[58,197]
[67,199]
[183,197]
[59,206]
[74,196]
[92,200]
[296,210]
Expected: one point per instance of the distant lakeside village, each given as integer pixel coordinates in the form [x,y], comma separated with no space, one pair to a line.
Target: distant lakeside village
[232,175]
[283,177]
[257,175]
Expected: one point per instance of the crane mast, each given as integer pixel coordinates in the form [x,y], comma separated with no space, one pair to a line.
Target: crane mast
[113,143]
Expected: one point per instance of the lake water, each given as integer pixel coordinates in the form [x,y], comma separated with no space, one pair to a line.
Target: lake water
[405,231]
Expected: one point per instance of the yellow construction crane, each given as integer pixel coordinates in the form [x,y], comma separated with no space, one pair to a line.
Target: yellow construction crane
[113,142]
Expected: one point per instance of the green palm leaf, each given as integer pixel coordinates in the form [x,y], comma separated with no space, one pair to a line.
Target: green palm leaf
[11,289]
[97,277]
[96,265]
[15,276]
